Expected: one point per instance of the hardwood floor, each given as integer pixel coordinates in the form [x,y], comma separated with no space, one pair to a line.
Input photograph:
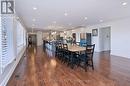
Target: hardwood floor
[40,68]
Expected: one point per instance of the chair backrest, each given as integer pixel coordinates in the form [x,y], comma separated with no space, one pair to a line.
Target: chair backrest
[60,46]
[65,46]
[90,50]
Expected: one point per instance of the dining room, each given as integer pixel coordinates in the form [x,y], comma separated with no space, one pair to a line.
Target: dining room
[64,43]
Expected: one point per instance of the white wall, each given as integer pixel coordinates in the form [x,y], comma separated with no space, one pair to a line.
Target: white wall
[45,35]
[62,34]
[39,38]
[120,33]
[105,38]
[78,37]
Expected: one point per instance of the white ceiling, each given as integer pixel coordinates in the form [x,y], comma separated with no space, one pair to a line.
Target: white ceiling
[50,13]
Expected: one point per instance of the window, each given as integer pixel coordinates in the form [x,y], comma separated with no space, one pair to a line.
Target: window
[0,46]
[12,44]
[24,37]
[7,53]
[3,44]
[21,37]
[12,40]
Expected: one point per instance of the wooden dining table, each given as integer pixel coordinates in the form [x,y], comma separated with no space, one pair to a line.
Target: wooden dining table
[75,50]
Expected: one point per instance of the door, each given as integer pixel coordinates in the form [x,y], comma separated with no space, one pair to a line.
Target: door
[74,38]
[33,39]
[105,39]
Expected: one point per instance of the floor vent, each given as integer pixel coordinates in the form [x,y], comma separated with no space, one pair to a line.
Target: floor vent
[17,76]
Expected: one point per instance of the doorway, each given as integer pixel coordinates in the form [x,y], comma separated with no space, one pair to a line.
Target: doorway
[74,38]
[33,39]
[105,38]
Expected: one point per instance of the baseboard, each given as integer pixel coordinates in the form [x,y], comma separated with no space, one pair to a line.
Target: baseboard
[10,72]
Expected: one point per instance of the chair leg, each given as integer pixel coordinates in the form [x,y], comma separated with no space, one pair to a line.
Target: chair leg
[86,66]
[92,65]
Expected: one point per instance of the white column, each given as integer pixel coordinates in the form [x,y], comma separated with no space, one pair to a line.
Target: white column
[39,38]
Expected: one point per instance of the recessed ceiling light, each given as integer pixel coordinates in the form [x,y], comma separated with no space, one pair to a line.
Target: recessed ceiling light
[70,24]
[66,14]
[54,22]
[85,18]
[32,30]
[33,19]
[34,8]
[101,20]
[124,3]
[33,25]
[64,31]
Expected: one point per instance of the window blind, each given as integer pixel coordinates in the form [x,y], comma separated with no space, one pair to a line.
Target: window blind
[0,47]
[7,40]
[7,55]
[4,46]
[20,37]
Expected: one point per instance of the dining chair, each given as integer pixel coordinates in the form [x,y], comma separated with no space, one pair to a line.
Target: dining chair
[65,46]
[89,53]
[59,50]
[56,50]
[64,50]
[66,56]
[76,60]
[87,57]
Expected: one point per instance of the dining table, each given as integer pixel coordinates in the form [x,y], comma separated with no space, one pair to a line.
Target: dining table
[75,50]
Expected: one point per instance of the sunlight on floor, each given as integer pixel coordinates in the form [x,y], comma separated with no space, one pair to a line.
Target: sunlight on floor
[53,63]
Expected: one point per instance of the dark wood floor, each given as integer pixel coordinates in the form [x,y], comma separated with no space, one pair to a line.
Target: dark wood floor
[40,68]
